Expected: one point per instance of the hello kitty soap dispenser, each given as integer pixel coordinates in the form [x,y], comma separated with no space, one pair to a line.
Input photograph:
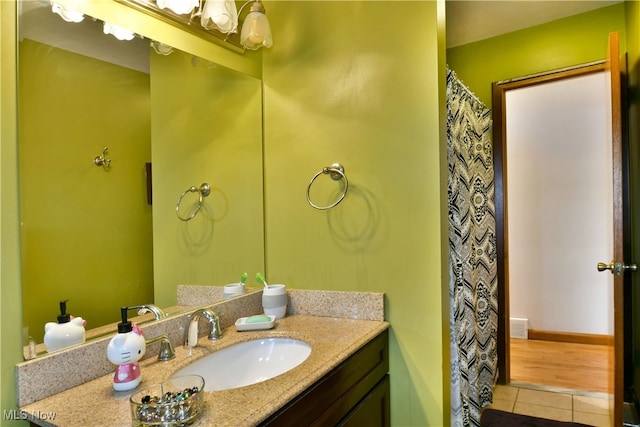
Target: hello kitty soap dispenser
[124,350]
[67,331]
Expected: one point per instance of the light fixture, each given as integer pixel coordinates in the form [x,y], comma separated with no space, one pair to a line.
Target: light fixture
[213,20]
[67,14]
[118,32]
[161,48]
[181,7]
[221,15]
[256,31]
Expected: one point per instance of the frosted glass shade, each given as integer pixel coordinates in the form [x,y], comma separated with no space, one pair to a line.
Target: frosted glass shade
[67,14]
[118,32]
[221,15]
[181,7]
[256,31]
[161,48]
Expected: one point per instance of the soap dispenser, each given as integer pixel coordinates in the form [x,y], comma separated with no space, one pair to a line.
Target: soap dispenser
[66,332]
[124,350]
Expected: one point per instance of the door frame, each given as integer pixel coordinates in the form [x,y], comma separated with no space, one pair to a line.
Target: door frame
[623,375]
[499,90]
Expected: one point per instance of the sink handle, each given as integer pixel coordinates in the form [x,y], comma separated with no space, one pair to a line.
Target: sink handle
[216,331]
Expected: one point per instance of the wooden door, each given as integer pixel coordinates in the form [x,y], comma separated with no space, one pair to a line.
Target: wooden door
[617,266]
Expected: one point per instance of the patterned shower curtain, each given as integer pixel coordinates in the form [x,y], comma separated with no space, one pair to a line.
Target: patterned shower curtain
[472,254]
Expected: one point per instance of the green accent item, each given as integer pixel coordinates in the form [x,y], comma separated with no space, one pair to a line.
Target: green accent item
[260,279]
[244,277]
[258,318]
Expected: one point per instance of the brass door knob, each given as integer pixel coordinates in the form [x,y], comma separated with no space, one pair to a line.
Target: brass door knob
[617,268]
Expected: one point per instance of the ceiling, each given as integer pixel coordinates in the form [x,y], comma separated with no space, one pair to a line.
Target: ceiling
[473,20]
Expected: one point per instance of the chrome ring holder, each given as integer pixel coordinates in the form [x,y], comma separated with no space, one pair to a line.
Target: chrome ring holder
[203,191]
[336,172]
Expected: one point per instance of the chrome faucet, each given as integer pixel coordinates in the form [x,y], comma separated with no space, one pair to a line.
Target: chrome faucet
[157,311]
[209,316]
[166,349]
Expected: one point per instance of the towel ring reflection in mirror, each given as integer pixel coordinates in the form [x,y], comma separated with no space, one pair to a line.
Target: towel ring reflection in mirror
[336,172]
[203,191]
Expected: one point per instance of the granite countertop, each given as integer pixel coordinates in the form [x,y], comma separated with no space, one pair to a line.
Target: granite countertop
[332,340]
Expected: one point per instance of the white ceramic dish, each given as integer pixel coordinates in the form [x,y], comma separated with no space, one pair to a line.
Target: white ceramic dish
[242,325]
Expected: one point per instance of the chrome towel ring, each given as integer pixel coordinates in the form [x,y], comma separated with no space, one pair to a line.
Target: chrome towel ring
[203,191]
[336,172]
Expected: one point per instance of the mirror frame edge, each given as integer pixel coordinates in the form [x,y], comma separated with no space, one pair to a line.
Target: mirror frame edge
[10,262]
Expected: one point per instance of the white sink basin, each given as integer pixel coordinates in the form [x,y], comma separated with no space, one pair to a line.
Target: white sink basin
[248,363]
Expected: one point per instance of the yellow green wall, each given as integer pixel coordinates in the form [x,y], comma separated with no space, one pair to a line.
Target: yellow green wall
[86,232]
[566,42]
[206,127]
[341,86]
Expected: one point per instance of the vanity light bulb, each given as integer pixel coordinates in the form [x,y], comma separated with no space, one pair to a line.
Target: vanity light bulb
[221,15]
[118,32]
[256,31]
[161,48]
[68,15]
[181,7]
[222,22]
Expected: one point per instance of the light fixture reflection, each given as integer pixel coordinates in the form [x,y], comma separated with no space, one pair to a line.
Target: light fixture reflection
[118,32]
[221,15]
[181,7]
[256,31]
[67,14]
[161,48]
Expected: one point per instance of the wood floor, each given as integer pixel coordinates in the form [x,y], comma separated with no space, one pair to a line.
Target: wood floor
[583,367]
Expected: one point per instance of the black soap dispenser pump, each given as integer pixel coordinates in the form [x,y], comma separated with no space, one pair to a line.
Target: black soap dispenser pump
[125,325]
[67,331]
[63,317]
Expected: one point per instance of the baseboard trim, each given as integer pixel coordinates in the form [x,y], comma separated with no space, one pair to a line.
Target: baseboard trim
[571,337]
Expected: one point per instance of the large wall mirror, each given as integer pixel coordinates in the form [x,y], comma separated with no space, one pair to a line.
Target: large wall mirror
[105,237]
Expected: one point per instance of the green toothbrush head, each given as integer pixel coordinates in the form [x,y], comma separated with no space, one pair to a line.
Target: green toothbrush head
[260,279]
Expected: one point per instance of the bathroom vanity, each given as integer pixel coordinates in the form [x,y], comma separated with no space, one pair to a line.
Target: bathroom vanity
[355,393]
[344,381]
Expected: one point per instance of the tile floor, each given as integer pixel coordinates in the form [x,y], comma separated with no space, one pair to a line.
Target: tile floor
[586,408]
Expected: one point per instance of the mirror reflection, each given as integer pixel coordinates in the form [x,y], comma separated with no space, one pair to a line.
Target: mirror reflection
[105,234]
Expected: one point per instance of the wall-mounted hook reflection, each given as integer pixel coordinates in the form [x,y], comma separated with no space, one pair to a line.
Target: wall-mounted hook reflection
[102,159]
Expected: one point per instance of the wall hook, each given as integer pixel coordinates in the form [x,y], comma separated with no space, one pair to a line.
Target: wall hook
[102,159]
